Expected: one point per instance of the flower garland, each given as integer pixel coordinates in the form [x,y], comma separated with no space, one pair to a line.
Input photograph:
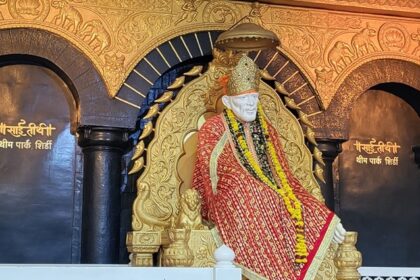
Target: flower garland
[292,203]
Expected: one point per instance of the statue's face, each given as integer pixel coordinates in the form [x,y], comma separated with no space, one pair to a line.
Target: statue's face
[244,106]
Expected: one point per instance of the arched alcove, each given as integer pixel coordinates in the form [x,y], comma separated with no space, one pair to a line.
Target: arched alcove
[378,179]
[379,71]
[95,105]
[186,49]
[40,187]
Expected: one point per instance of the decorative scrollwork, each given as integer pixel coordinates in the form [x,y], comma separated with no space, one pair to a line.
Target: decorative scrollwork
[28,9]
[220,12]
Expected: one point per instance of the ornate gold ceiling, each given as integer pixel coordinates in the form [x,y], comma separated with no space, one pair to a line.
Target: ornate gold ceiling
[404,8]
[326,45]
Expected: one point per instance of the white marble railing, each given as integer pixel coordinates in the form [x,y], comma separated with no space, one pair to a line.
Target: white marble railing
[113,272]
[390,273]
[126,272]
[224,270]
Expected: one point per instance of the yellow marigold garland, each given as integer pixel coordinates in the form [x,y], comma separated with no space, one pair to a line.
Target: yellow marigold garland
[293,205]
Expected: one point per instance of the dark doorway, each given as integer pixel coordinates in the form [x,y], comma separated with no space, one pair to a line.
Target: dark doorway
[39,195]
[379,184]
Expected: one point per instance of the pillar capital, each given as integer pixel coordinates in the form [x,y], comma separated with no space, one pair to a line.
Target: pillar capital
[330,149]
[110,137]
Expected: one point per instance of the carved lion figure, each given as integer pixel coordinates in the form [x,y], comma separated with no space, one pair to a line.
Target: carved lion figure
[190,210]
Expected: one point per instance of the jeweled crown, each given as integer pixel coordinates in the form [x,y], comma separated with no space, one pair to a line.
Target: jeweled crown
[245,77]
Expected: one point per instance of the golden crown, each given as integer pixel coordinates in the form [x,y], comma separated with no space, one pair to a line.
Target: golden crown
[245,77]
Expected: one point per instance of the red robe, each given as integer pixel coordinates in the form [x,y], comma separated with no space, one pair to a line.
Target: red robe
[252,218]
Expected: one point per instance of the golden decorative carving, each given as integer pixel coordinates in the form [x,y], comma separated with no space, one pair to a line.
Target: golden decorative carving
[407,8]
[116,35]
[113,69]
[178,253]
[204,247]
[94,33]
[266,76]
[394,37]
[327,49]
[328,270]
[416,37]
[303,118]
[318,156]
[69,17]
[339,57]
[291,103]
[281,89]
[29,9]
[362,42]
[192,243]
[153,209]
[393,3]
[142,246]
[190,211]
[221,12]
[189,10]
[348,259]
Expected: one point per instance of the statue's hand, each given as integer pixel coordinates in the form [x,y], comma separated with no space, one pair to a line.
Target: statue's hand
[339,234]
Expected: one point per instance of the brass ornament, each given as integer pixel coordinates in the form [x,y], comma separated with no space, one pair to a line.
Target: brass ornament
[138,165]
[266,76]
[319,173]
[291,103]
[179,82]
[310,135]
[178,253]
[247,37]
[148,128]
[195,71]
[348,259]
[140,148]
[153,111]
[317,154]
[166,96]
[281,89]
[304,119]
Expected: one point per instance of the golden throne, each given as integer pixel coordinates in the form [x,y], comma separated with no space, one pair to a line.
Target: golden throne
[167,174]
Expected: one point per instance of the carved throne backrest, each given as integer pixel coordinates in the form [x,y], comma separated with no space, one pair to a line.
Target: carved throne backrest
[171,153]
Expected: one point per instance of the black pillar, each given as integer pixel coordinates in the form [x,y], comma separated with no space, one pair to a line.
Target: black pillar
[102,149]
[416,150]
[330,149]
